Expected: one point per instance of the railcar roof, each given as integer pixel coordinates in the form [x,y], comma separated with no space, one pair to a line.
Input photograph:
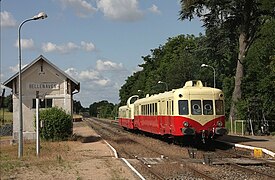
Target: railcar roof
[122,107]
[184,90]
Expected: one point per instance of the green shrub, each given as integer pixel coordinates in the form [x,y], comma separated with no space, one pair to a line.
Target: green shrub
[56,124]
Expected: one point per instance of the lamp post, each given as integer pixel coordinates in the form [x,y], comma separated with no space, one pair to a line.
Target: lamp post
[160,82]
[205,65]
[41,15]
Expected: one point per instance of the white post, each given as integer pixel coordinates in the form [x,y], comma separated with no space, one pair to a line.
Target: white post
[37,125]
[242,128]
[235,126]
[251,127]
[231,122]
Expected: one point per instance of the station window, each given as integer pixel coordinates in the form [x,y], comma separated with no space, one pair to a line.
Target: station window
[183,107]
[219,107]
[196,107]
[43,103]
[207,107]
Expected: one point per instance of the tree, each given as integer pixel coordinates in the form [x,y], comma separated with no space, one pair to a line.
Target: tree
[175,62]
[103,109]
[244,17]
[8,103]
[258,82]
[77,107]
[57,124]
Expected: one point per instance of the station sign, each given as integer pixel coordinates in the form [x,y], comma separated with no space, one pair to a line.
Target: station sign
[43,85]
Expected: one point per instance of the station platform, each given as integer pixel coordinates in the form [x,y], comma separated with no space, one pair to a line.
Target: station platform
[94,146]
[265,143]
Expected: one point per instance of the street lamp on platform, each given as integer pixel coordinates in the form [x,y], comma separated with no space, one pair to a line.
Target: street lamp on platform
[205,65]
[41,15]
[160,82]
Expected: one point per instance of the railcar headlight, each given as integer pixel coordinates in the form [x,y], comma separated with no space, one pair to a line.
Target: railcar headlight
[219,124]
[185,124]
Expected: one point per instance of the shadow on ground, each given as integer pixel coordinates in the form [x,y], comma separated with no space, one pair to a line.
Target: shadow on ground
[238,139]
[86,139]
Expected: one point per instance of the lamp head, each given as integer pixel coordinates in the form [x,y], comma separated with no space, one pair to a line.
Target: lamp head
[204,65]
[41,15]
[159,82]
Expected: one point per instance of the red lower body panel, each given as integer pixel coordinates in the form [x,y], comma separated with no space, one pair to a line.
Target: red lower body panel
[126,122]
[173,125]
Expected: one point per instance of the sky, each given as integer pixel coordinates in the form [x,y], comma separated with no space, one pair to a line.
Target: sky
[97,42]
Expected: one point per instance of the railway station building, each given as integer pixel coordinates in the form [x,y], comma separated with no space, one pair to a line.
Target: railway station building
[44,80]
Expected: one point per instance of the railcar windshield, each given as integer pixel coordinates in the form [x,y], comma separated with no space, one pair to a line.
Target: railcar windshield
[196,107]
[219,107]
[183,107]
[207,107]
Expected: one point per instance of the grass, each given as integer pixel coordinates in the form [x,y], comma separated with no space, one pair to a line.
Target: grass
[5,116]
[52,154]
[238,127]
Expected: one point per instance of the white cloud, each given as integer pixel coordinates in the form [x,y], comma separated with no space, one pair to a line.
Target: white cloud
[154,9]
[67,48]
[121,10]
[89,75]
[72,72]
[25,44]
[82,8]
[90,79]
[87,46]
[64,48]
[138,68]
[100,83]
[15,69]
[107,65]
[7,20]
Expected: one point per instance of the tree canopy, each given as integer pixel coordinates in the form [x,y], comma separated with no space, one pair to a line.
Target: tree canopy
[103,109]
[180,59]
[238,20]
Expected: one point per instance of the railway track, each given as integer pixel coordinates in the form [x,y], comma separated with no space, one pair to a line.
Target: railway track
[267,168]
[142,151]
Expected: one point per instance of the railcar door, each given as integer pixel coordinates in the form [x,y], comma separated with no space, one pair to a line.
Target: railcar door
[163,121]
[169,110]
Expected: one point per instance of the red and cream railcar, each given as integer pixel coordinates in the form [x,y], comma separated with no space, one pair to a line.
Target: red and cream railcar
[126,113]
[191,110]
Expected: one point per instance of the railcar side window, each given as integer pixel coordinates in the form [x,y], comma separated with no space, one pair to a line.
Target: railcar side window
[172,107]
[219,107]
[207,107]
[156,109]
[183,107]
[129,114]
[196,107]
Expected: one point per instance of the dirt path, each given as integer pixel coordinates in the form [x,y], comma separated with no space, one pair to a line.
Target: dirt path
[87,158]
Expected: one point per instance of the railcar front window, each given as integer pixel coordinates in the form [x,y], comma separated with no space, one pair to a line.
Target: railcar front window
[207,107]
[219,107]
[196,107]
[183,107]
